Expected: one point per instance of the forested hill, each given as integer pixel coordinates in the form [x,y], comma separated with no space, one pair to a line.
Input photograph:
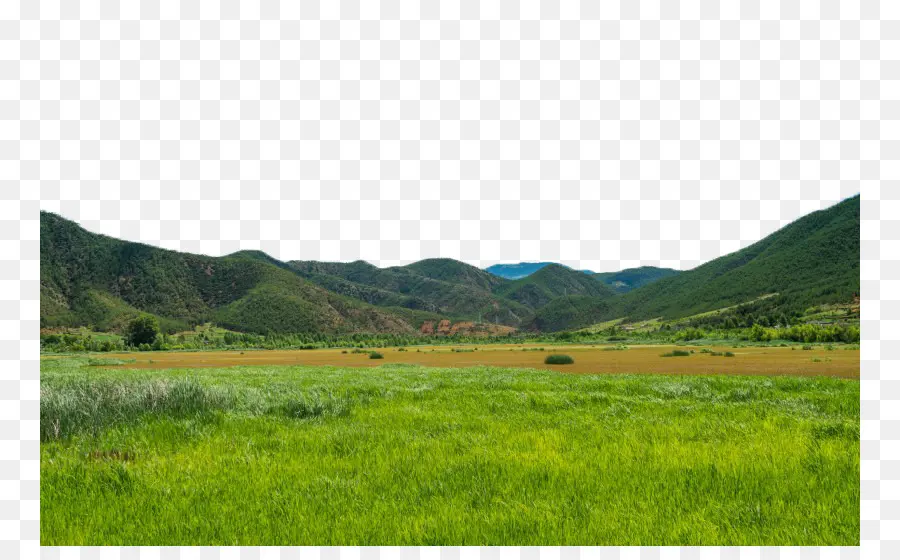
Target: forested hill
[814,259]
[552,281]
[91,279]
[452,289]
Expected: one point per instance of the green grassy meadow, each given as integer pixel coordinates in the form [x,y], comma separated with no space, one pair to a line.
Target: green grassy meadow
[408,455]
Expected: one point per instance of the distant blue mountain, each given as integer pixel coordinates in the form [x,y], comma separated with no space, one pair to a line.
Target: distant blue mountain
[631,278]
[516,271]
[621,281]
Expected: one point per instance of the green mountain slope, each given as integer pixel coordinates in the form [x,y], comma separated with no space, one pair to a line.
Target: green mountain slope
[632,278]
[456,272]
[568,312]
[448,288]
[812,260]
[90,279]
[550,282]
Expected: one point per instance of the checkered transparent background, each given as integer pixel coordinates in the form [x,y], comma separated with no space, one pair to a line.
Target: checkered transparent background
[599,134]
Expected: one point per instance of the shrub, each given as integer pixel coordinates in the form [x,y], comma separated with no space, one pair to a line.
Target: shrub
[729,354]
[559,359]
[51,339]
[674,353]
[807,347]
[376,356]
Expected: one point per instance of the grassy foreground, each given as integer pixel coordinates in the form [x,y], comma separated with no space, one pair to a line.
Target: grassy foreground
[410,455]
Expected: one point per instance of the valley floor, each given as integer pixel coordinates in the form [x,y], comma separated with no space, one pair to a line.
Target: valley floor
[840,361]
[408,455]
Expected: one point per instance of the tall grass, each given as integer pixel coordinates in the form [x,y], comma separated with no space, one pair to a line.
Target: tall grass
[90,405]
[417,456]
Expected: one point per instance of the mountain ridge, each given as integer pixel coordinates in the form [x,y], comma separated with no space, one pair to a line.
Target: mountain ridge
[92,279]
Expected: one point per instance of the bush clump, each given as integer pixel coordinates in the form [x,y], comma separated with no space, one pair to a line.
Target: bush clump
[674,353]
[729,354]
[559,359]
[376,356]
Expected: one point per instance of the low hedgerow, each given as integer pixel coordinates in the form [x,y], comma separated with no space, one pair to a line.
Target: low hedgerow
[559,359]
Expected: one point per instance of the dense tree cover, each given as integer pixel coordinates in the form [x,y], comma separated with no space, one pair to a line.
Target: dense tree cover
[76,343]
[806,333]
[570,312]
[211,339]
[632,278]
[779,310]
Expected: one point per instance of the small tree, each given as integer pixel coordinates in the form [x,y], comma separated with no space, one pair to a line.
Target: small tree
[142,330]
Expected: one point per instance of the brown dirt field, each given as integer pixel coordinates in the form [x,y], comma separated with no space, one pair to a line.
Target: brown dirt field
[636,359]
